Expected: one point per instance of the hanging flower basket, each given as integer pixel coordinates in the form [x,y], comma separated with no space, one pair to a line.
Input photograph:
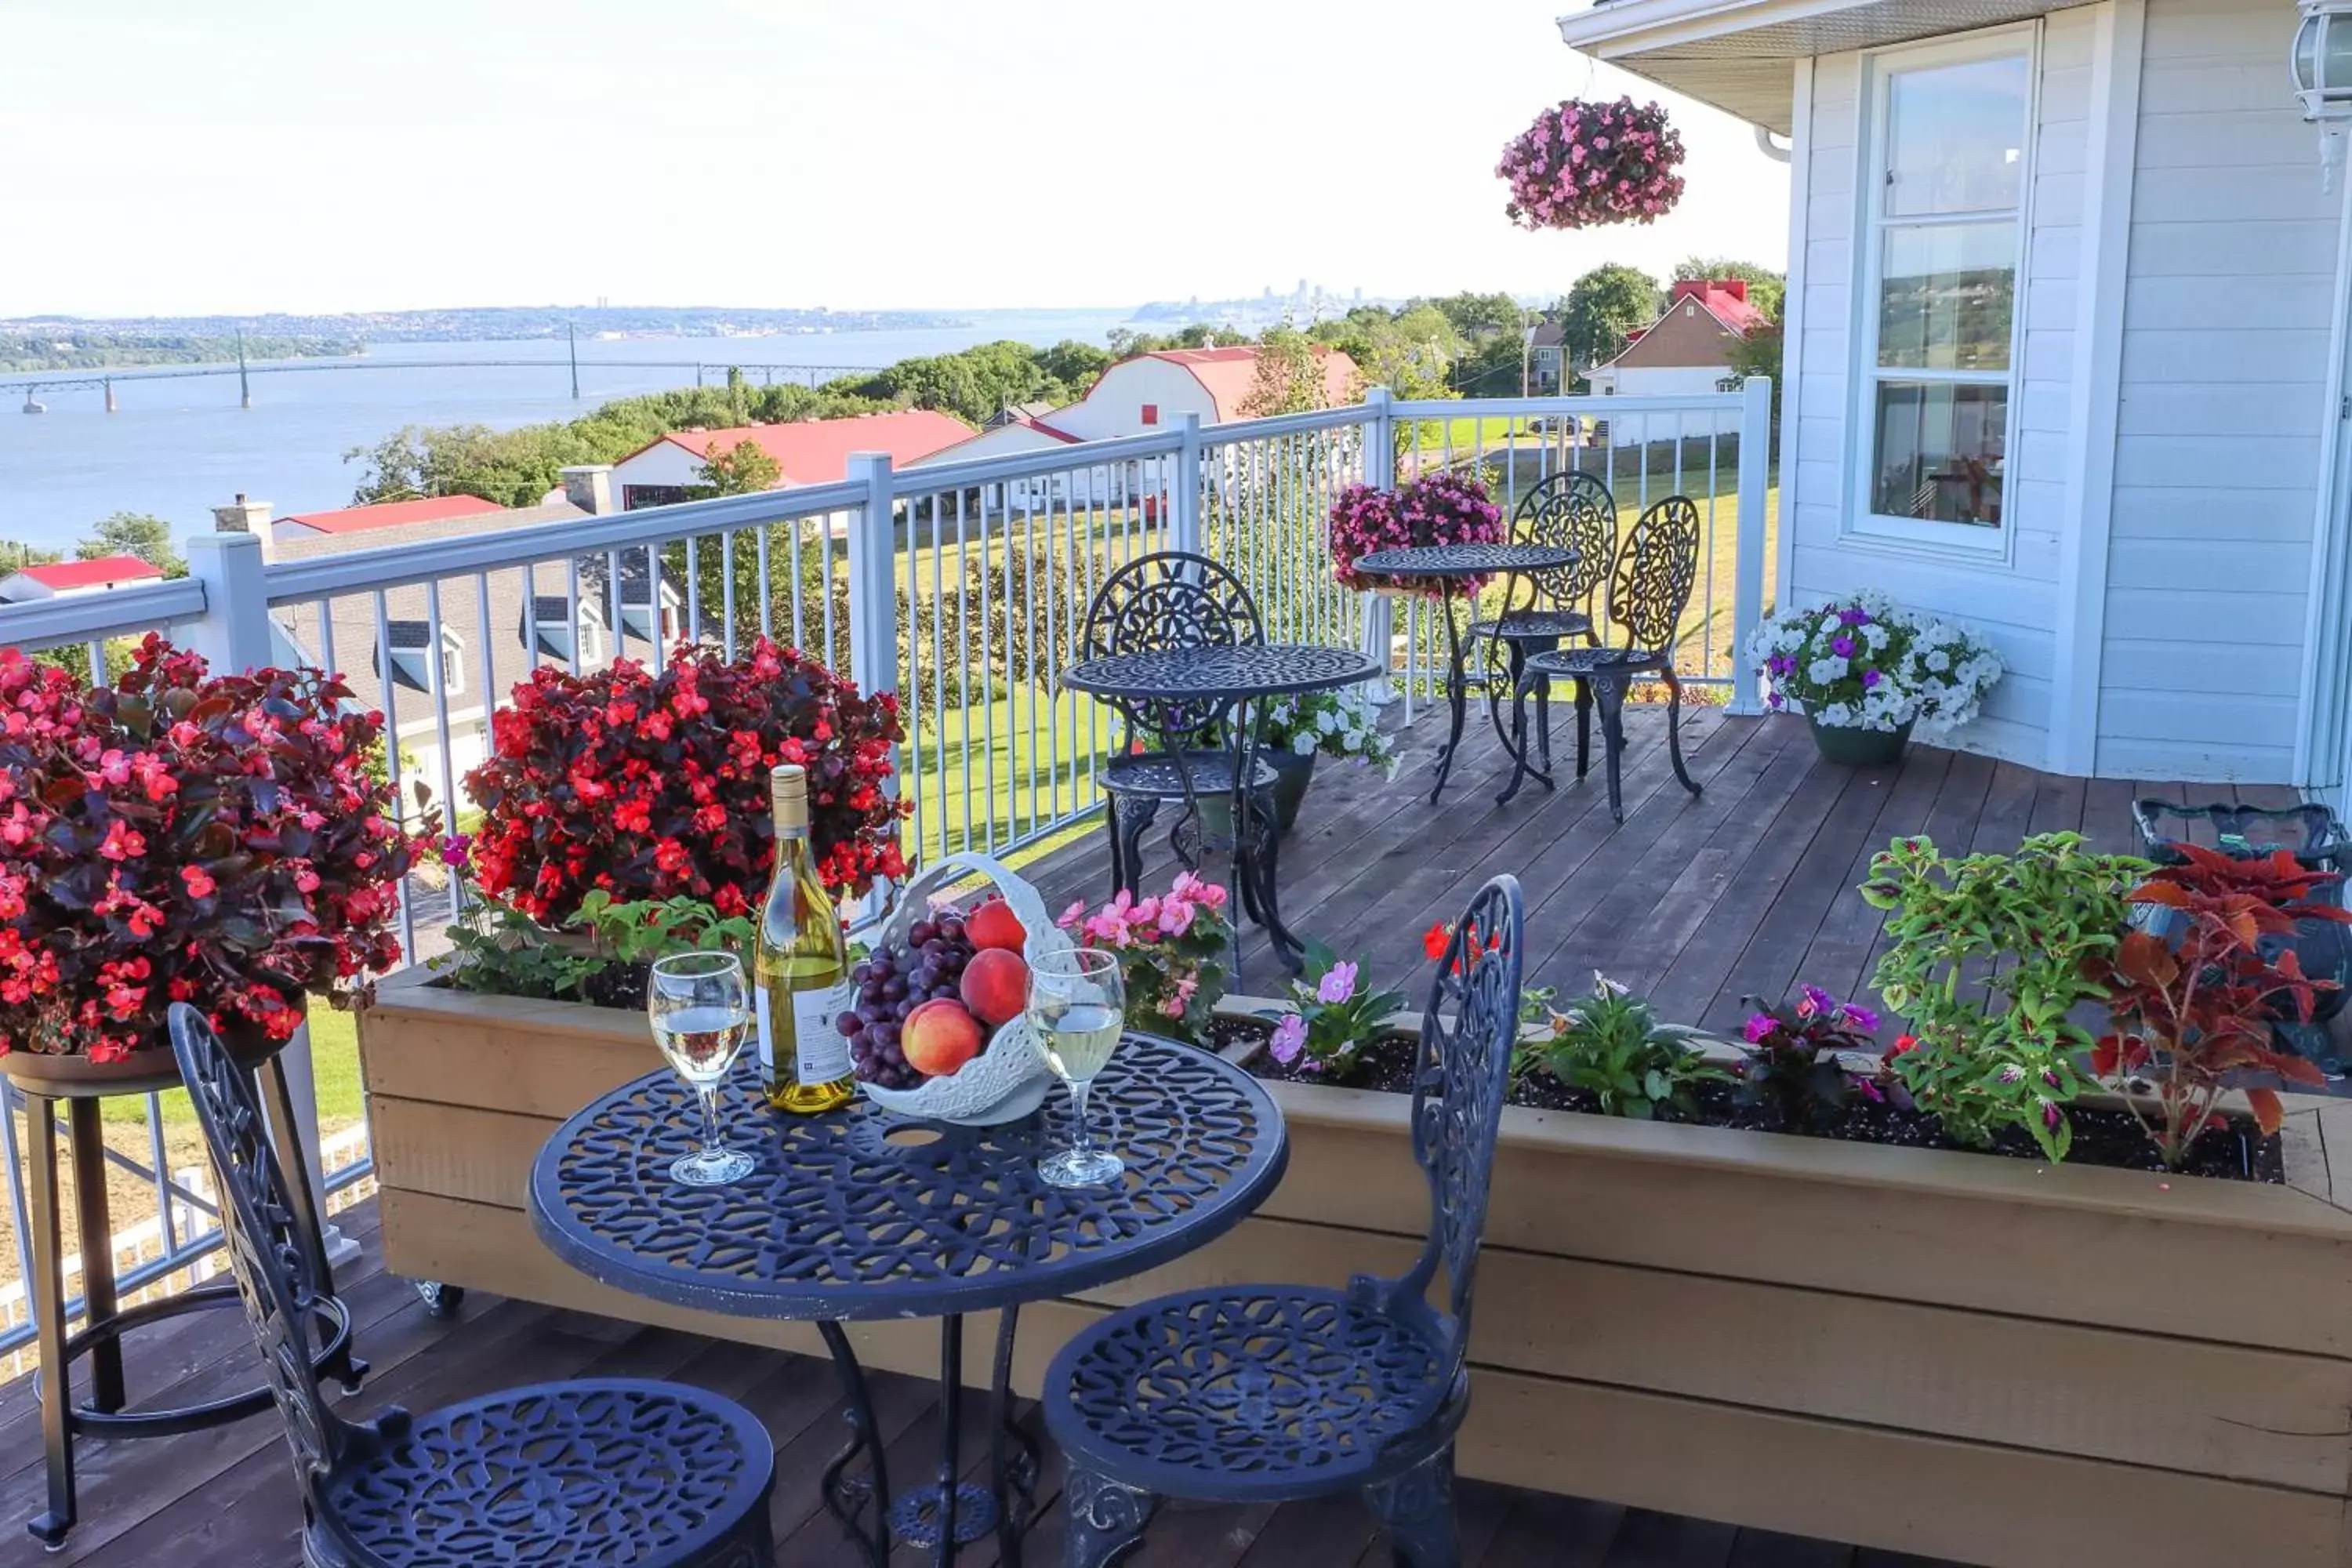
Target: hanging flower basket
[1583,164]
[1443,507]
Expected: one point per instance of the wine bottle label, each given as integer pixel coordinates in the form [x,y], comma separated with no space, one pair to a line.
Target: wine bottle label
[820,1054]
[760,1011]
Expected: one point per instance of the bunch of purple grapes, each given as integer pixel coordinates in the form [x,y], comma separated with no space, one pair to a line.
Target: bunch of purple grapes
[892,984]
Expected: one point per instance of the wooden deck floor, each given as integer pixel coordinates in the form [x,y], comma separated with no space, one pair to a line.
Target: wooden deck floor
[1746,890]
[226,1499]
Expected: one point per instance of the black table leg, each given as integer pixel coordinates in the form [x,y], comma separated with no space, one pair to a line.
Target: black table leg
[1458,697]
[49,1314]
[846,1496]
[97,1253]
[1013,1471]
[1257,858]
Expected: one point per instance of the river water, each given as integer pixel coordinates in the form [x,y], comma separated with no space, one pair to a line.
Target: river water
[179,447]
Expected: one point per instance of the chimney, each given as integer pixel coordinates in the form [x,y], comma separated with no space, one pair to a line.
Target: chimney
[1686,289]
[1734,287]
[247,517]
[589,487]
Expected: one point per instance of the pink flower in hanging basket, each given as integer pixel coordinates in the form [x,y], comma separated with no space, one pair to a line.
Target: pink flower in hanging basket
[1583,164]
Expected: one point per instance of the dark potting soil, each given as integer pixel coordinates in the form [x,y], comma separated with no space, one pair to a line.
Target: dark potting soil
[2239,1151]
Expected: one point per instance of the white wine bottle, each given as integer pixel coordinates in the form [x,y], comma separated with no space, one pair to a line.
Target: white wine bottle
[797,969]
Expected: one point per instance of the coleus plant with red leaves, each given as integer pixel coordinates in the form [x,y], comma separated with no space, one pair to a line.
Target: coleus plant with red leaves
[2192,1007]
[181,836]
[656,786]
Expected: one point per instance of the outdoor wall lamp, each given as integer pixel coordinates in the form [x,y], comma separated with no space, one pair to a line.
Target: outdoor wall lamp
[2321,62]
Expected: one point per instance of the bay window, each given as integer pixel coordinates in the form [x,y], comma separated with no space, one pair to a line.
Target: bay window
[1944,211]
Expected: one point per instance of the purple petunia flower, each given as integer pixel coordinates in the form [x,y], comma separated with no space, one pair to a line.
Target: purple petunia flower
[1843,647]
[1817,1001]
[1853,617]
[1862,1018]
[1760,1028]
[1870,677]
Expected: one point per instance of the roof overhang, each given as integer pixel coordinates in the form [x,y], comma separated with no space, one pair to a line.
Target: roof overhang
[1740,55]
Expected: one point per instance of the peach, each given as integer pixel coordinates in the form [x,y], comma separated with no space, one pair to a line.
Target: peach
[996,984]
[938,1038]
[994,925]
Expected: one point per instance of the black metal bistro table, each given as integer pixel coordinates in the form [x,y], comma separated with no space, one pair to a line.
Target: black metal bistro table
[1458,563]
[1236,677]
[859,1214]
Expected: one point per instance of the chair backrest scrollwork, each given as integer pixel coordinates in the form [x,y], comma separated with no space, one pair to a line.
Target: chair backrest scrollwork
[1171,599]
[1572,510]
[1656,571]
[1461,1073]
[268,1254]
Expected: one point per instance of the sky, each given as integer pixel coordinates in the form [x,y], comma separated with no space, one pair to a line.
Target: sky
[237,157]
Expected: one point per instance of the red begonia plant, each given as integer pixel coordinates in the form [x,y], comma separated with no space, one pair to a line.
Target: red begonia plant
[656,786]
[181,836]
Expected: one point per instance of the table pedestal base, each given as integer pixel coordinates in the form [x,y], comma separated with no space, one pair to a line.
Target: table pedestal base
[948,1514]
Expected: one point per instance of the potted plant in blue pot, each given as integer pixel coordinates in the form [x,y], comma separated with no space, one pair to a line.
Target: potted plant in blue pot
[1865,673]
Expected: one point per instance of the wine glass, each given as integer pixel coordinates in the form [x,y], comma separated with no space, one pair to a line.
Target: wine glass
[1078,1003]
[701,1009]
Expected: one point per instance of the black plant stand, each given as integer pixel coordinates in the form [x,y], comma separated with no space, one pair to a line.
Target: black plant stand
[45,1084]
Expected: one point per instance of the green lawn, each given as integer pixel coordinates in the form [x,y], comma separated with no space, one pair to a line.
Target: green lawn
[335,1062]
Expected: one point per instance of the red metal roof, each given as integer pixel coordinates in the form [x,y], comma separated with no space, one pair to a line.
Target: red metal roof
[1039,425]
[392,513]
[816,451]
[1726,298]
[1230,374]
[62,575]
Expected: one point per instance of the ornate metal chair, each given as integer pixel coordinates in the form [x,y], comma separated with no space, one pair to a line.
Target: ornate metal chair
[1281,1393]
[1648,593]
[1171,599]
[608,1471]
[1575,511]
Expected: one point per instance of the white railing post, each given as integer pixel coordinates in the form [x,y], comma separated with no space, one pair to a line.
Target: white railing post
[233,635]
[1747,586]
[1184,526]
[873,597]
[1380,472]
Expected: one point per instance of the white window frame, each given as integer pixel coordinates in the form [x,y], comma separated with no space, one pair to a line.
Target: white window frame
[1926,536]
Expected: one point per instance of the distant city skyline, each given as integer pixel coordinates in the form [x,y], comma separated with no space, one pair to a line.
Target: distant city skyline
[256,155]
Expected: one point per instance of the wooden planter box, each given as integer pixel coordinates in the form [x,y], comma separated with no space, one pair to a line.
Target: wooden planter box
[1944,1353]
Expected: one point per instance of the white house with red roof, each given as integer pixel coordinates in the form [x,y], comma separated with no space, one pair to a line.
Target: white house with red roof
[29,583]
[1152,391]
[808,451]
[1687,350]
[1017,431]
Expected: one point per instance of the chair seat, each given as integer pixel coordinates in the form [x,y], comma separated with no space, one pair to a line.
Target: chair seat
[1243,1393]
[1533,625]
[1567,662]
[607,1471]
[1161,774]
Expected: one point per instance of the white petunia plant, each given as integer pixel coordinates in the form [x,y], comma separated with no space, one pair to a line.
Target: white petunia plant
[1864,663]
[1342,724]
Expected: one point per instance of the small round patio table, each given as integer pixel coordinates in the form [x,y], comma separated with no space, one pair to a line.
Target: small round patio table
[1234,677]
[1457,564]
[859,1214]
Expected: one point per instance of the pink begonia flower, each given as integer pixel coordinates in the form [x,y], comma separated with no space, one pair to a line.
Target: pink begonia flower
[1337,984]
[1173,1007]
[1290,1039]
[1175,916]
[1073,916]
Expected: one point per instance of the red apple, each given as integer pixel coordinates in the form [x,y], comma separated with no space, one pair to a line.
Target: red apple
[996,984]
[939,1036]
[994,925]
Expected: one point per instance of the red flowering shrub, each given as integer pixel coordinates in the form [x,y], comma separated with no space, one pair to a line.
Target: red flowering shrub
[184,837]
[656,787]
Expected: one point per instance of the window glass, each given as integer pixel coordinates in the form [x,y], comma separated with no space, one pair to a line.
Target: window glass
[1947,296]
[1939,451]
[1956,138]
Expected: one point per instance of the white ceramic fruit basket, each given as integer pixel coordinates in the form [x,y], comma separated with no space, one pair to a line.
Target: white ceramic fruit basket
[1010,1079]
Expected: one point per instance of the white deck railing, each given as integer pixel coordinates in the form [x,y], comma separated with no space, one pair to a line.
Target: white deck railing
[963,586]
